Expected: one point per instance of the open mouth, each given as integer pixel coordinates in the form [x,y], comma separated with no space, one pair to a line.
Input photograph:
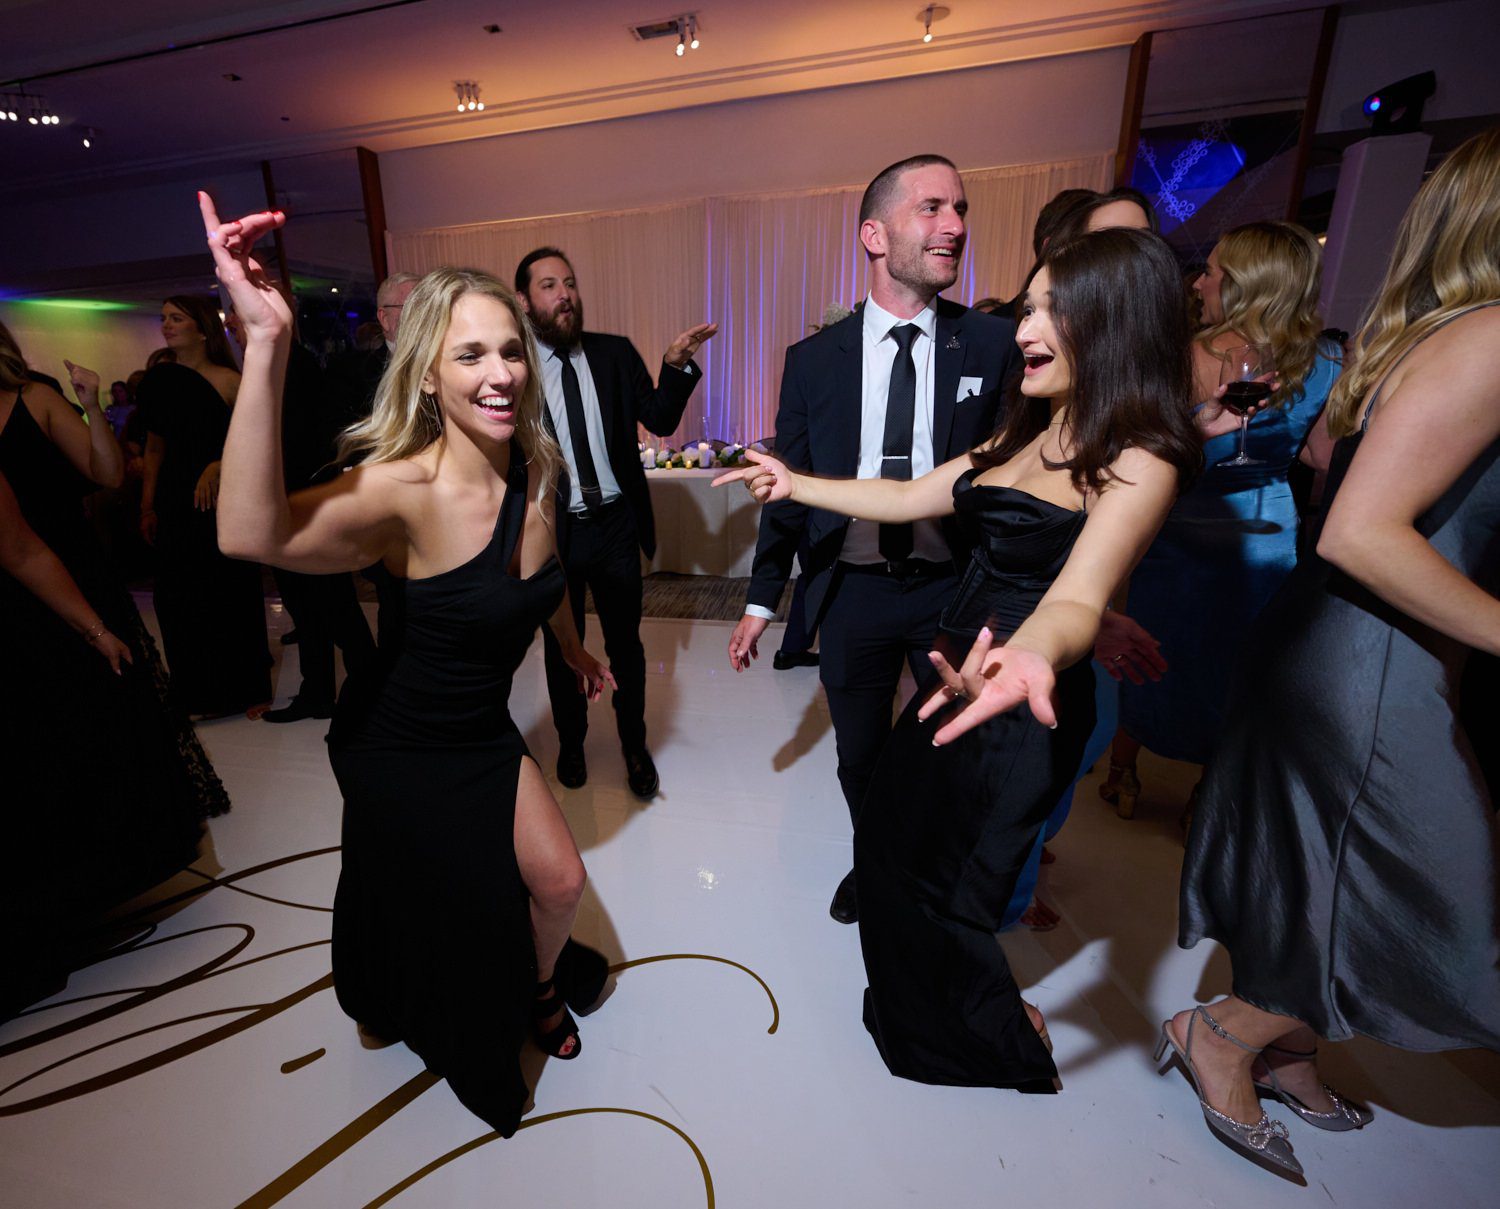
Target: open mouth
[1036,362]
[943,253]
[496,405]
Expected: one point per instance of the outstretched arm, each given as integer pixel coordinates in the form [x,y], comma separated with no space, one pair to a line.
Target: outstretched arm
[1063,627]
[884,500]
[340,526]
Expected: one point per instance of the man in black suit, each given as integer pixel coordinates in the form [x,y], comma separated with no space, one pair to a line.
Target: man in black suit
[358,372]
[904,384]
[597,389]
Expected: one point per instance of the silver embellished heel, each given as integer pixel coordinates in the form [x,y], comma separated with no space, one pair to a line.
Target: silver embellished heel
[1266,1139]
[1345,1116]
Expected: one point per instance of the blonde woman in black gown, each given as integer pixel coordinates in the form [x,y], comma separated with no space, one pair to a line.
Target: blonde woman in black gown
[1345,849]
[460,877]
[1066,499]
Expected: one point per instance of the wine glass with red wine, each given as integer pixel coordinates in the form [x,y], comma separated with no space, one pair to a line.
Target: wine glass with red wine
[1245,378]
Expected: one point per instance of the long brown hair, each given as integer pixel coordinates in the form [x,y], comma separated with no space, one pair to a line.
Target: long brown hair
[1447,257]
[405,419]
[204,312]
[1269,295]
[1122,322]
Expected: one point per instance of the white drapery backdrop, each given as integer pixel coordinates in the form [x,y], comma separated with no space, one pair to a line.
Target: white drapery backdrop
[763,266]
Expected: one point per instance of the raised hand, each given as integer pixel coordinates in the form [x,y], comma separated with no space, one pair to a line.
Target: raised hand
[765,478]
[85,384]
[681,350]
[261,306]
[992,680]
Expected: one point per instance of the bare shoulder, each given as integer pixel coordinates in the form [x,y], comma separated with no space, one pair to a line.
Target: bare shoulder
[1136,466]
[46,405]
[224,380]
[1459,359]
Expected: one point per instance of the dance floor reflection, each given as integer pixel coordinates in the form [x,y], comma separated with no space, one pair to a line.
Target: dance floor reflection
[205,1062]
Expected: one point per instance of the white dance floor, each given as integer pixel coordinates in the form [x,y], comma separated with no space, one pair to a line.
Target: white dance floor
[211,1066]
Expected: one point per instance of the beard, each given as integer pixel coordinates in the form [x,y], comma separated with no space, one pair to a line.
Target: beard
[561,327]
[908,263]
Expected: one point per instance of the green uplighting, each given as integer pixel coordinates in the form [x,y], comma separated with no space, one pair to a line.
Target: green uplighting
[74,304]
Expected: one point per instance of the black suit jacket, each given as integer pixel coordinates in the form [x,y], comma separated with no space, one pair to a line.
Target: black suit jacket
[818,425]
[628,397]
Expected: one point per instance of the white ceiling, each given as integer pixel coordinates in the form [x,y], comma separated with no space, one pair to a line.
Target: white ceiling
[384,79]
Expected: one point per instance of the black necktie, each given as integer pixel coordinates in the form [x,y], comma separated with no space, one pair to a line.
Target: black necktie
[578,435]
[900,417]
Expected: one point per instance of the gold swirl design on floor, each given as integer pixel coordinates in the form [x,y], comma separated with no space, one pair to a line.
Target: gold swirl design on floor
[251,1015]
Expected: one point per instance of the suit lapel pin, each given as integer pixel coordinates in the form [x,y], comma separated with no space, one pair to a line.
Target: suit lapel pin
[952,342]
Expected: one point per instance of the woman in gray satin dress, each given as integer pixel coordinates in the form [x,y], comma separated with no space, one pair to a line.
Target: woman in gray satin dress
[1345,849]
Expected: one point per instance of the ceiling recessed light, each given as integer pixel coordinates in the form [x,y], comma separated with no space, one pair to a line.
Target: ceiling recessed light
[232,77]
[492,29]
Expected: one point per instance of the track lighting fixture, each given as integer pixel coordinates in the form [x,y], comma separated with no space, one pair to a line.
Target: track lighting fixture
[468,96]
[89,135]
[37,111]
[687,33]
[933,12]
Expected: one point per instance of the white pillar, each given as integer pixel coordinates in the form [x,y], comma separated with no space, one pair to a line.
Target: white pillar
[1377,180]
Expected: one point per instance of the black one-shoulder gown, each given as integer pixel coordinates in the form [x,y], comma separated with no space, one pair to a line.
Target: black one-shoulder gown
[431,928]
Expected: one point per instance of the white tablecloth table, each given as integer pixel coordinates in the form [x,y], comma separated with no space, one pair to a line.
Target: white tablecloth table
[702,530]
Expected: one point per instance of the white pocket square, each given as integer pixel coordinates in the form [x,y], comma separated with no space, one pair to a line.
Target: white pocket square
[968,387]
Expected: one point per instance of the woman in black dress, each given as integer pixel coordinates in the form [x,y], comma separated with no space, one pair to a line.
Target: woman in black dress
[1067,497]
[211,609]
[106,784]
[1345,849]
[460,878]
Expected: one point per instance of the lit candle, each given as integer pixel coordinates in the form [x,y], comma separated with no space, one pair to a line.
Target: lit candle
[705,455]
[648,458]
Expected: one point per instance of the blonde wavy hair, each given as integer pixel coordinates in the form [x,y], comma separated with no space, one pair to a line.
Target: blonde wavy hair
[405,419]
[1273,272]
[1447,257]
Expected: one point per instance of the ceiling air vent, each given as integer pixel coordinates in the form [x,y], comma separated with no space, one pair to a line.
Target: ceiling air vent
[667,27]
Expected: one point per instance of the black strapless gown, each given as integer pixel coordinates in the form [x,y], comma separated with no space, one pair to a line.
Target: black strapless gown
[945,831]
[431,928]
[1345,848]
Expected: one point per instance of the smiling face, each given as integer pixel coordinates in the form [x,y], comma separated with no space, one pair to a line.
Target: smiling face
[1049,373]
[178,331]
[919,240]
[481,373]
[1208,286]
[552,301]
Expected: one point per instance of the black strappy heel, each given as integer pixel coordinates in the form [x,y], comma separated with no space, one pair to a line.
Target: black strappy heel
[549,1001]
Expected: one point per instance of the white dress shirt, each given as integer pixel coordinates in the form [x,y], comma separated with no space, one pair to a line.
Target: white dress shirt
[552,391]
[862,539]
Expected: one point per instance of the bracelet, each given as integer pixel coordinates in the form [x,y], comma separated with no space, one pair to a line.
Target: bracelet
[95,632]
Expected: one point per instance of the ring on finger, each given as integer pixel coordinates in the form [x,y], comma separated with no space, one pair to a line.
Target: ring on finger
[958,694]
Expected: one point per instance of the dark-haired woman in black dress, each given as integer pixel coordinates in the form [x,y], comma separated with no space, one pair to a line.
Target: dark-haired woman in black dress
[211,609]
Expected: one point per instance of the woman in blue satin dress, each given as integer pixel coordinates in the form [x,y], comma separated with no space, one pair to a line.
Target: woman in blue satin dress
[1232,539]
